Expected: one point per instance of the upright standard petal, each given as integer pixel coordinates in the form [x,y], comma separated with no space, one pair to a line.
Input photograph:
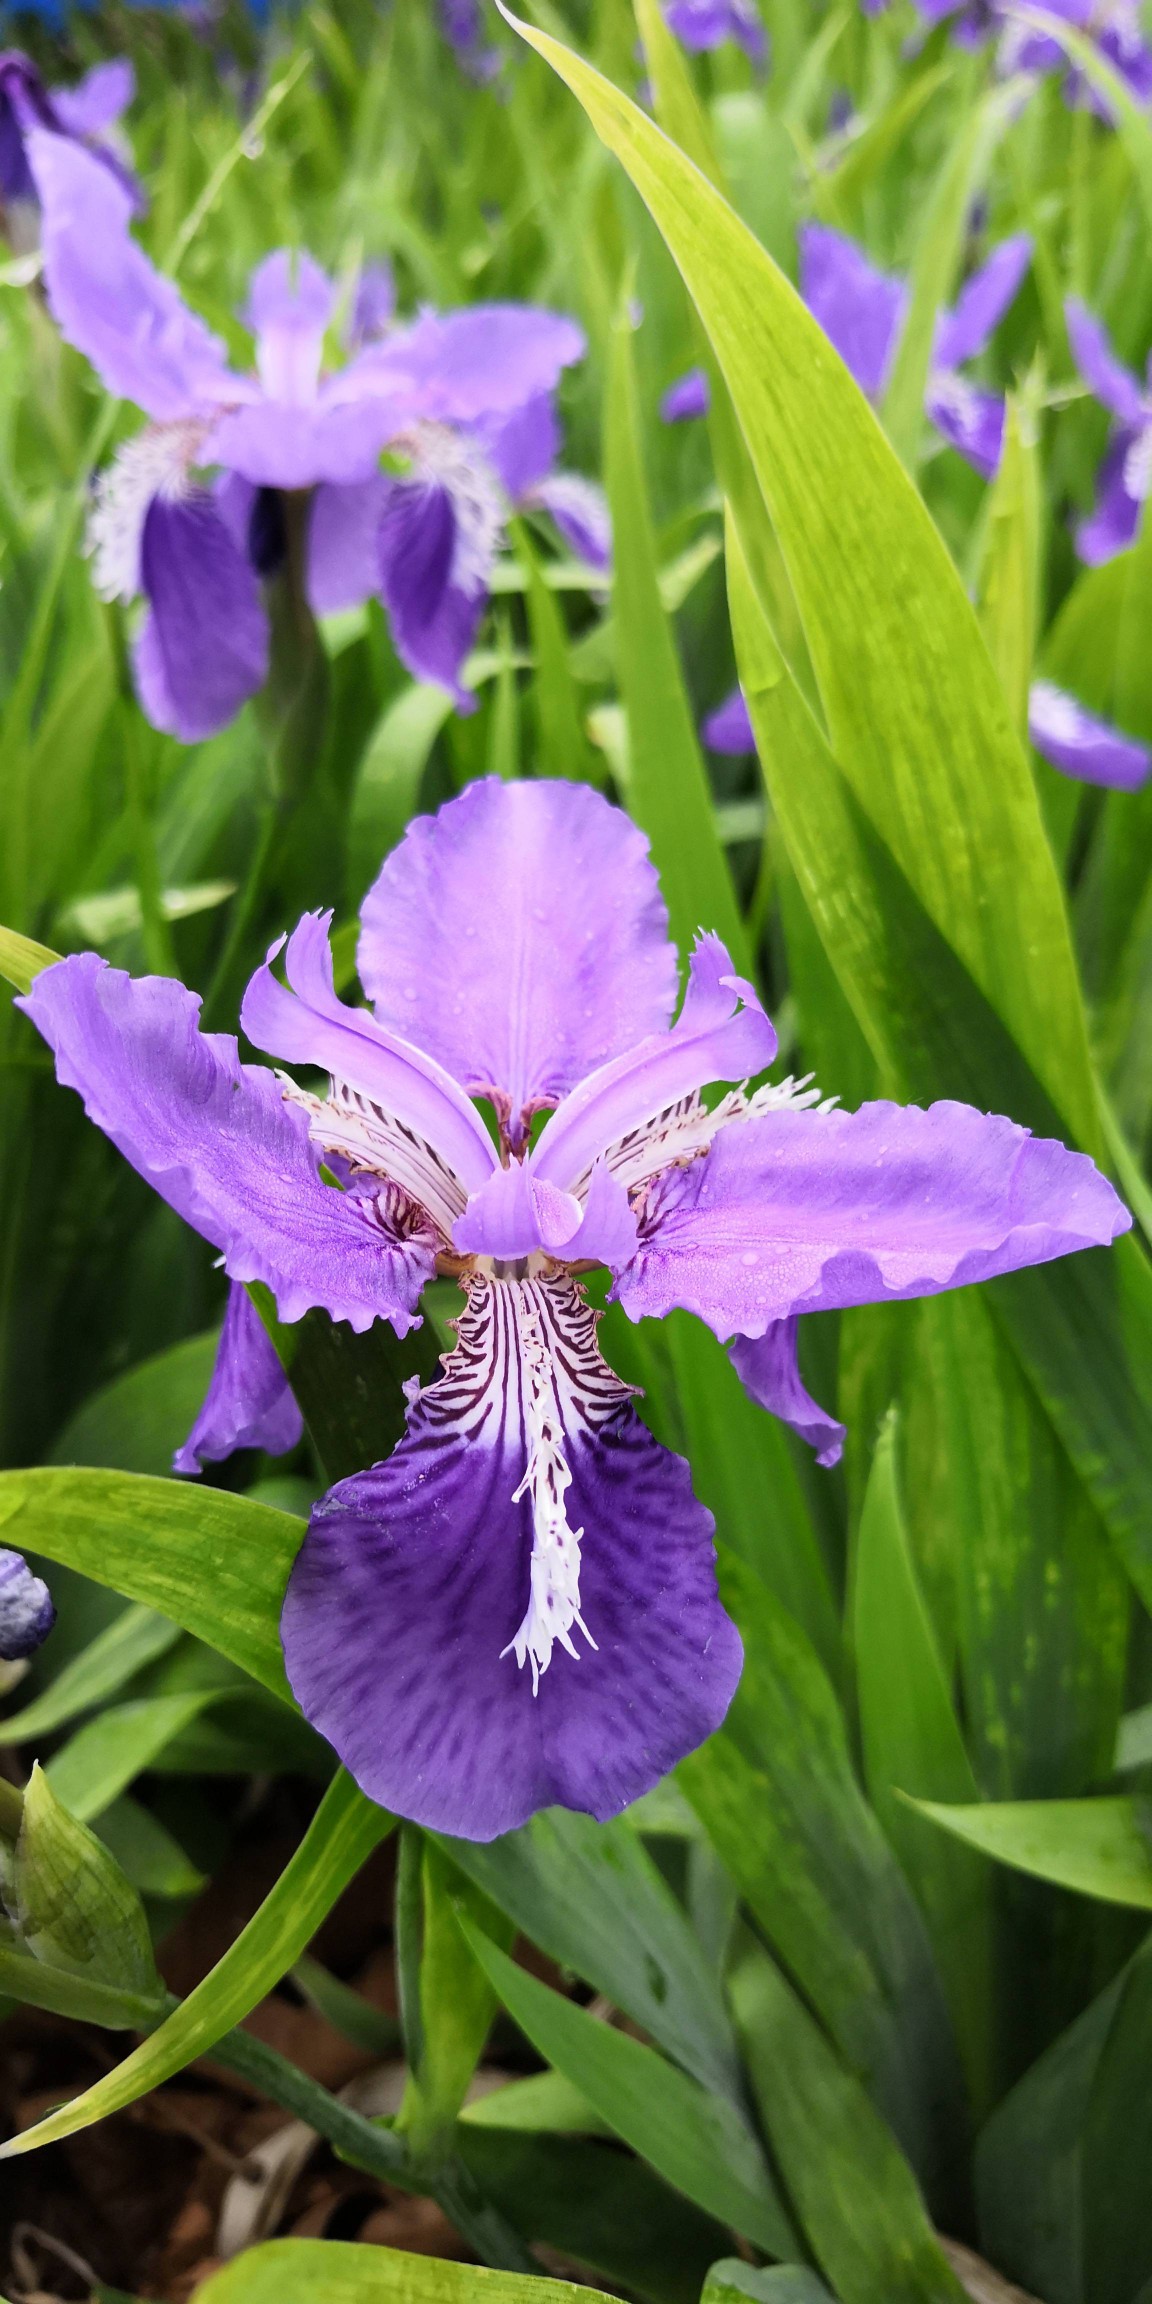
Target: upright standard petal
[721,1033]
[770,1373]
[249,1402]
[860,309]
[98,99]
[1080,744]
[204,648]
[729,728]
[27,1609]
[803,1211]
[982,302]
[108,300]
[307,1024]
[521,938]
[289,307]
[460,367]
[522,447]
[519,1608]
[1105,375]
[216,1139]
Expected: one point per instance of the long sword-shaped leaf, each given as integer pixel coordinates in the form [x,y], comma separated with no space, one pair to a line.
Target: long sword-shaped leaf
[342,1835]
[913,706]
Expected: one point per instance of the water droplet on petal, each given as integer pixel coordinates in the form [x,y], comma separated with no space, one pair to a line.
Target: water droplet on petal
[750,1256]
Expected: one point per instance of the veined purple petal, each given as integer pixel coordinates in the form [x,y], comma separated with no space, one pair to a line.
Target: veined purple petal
[721,1033]
[421,1583]
[344,543]
[309,1025]
[217,1140]
[520,936]
[689,396]
[1080,744]
[204,647]
[703,24]
[460,367]
[1115,517]
[289,307]
[106,297]
[249,1402]
[580,510]
[803,1211]
[513,1214]
[770,1373]
[982,303]
[98,99]
[27,1609]
[1106,377]
[729,729]
[1121,43]
[335,438]
[860,309]
[971,420]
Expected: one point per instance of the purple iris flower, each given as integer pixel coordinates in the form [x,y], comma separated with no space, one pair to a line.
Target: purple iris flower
[27,1609]
[1114,28]
[519,1608]
[1126,472]
[729,728]
[87,113]
[442,392]
[462,24]
[689,396]
[1080,744]
[702,24]
[863,310]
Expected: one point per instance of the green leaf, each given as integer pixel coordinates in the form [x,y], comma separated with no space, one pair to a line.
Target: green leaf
[695,2140]
[1117,2142]
[1099,1847]
[147,1852]
[104,1756]
[341,2272]
[456,2000]
[562,747]
[214,1563]
[1010,575]
[338,1841]
[668,789]
[350,1388]
[136,1423]
[591,1897]
[73,1908]
[912,1743]
[350,2015]
[21,960]
[913,706]
[784,2284]
[599,2206]
[387,785]
[545,2101]
[777,1793]
[132,1640]
[855,2194]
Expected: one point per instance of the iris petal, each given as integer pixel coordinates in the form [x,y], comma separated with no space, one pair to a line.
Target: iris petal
[415,1580]
[249,1401]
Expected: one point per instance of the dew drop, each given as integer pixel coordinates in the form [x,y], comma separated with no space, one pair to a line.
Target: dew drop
[750,1256]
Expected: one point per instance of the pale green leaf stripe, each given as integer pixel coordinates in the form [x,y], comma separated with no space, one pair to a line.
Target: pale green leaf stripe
[1100,1847]
[915,712]
[216,1564]
[123,1648]
[104,1756]
[342,1834]
[345,2272]
[694,2139]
